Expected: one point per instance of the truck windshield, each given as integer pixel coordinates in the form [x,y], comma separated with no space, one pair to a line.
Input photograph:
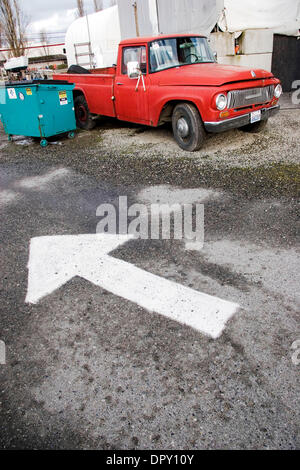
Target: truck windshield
[175,52]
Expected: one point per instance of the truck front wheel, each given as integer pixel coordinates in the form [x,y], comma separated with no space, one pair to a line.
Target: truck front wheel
[188,128]
[83,116]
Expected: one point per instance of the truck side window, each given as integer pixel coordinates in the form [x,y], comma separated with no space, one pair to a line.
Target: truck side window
[134,54]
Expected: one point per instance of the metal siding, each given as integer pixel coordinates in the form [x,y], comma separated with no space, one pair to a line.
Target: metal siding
[286,60]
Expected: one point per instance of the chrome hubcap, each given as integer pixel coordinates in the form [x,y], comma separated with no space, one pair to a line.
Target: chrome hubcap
[182,127]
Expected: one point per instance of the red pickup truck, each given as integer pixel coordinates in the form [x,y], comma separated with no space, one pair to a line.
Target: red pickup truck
[176,79]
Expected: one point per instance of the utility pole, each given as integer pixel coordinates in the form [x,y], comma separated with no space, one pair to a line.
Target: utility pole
[97,6]
[136,18]
[157,15]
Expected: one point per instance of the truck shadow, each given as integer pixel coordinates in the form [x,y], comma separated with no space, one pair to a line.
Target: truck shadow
[124,133]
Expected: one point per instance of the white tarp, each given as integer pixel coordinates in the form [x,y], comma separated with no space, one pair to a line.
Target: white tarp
[188,16]
[282,16]
[168,16]
[102,31]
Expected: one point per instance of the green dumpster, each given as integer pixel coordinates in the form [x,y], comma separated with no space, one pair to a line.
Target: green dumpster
[42,109]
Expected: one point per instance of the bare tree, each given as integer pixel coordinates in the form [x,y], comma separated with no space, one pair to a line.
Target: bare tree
[13,25]
[80,8]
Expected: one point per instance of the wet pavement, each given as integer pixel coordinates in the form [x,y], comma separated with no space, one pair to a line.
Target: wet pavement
[88,369]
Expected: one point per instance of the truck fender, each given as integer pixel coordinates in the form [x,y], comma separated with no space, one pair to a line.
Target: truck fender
[166,109]
[78,92]
[84,118]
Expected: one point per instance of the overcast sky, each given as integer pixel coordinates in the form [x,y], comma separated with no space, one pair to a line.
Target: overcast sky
[54,16]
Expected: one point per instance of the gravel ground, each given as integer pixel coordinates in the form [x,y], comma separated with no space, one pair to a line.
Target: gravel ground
[249,164]
[278,143]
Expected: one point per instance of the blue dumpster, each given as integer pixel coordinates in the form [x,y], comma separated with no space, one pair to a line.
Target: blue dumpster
[42,108]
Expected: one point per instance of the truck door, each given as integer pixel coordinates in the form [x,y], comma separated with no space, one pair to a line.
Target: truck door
[132,101]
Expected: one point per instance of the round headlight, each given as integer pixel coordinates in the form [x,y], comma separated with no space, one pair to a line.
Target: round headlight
[221,102]
[278,91]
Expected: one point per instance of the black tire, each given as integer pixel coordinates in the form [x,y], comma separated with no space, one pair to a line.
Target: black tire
[83,116]
[255,127]
[188,128]
[74,69]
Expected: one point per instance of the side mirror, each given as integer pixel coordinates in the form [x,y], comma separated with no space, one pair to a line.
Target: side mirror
[133,70]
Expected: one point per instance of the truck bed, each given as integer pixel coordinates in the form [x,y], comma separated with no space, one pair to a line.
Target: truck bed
[97,87]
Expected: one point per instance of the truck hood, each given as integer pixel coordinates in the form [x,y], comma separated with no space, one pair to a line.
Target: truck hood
[209,74]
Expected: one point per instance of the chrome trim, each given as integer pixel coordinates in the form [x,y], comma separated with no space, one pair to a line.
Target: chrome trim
[249,96]
[239,121]
[183,127]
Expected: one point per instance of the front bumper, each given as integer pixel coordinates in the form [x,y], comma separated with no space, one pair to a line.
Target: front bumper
[240,121]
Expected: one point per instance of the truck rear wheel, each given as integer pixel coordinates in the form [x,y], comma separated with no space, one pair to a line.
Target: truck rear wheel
[188,128]
[83,116]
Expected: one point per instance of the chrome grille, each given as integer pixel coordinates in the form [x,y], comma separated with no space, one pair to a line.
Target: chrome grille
[250,96]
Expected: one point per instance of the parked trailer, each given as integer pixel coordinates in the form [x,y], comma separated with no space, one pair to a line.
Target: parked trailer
[16,64]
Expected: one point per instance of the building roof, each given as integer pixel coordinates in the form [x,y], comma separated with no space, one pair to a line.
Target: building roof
[47,58]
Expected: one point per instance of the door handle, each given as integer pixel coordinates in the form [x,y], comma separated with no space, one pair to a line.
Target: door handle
[120,83]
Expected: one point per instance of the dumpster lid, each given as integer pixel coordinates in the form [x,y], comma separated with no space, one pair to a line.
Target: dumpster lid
[37,82]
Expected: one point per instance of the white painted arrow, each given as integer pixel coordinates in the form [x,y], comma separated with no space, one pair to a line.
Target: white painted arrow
[53,261]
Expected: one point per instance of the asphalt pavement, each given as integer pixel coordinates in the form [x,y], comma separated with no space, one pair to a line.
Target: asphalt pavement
[89,369]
